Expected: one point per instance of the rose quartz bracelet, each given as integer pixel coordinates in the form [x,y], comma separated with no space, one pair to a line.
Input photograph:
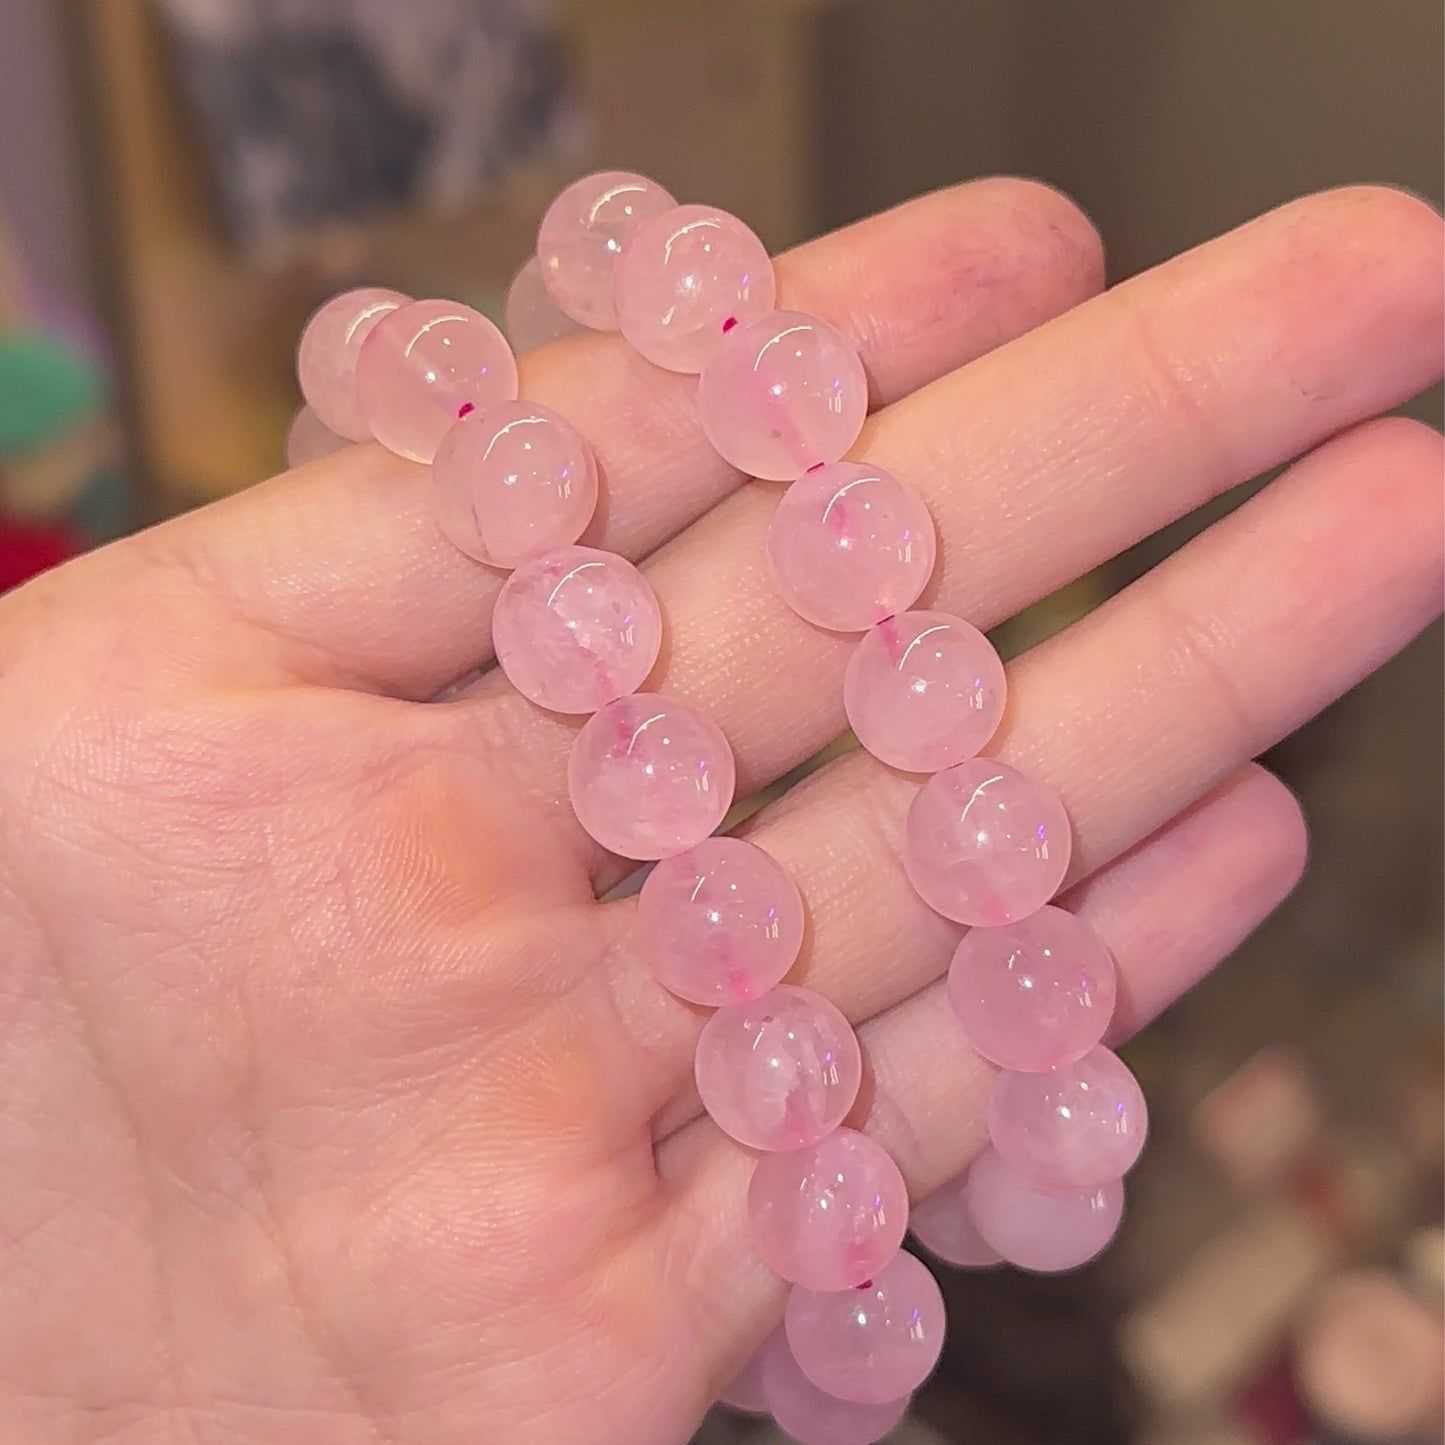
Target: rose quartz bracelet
[781,396]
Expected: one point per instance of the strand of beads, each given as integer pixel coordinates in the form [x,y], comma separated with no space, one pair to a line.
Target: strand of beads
[782,396]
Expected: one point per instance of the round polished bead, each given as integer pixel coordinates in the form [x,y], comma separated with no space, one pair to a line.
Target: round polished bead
[1037,1231]
[811,1417]
[425,365]
[924,691]
[650,776]
[783,393]
[575,628]
[327,356]
[984,844]
[850,545]
[685,280]
[721,923]
[309,439]
[530,317]
[512,481]
[872,1343]
[943,1225]
[583,236]
[1072,1129]
[779,1072]
[1033,995]
[830,1216]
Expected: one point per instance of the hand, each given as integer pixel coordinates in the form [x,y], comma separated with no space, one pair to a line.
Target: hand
[334,1109]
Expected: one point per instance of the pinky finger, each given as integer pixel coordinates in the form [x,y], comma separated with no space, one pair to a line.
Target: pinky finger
[1170,910]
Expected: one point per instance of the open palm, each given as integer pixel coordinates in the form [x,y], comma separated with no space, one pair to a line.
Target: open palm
[334,1108]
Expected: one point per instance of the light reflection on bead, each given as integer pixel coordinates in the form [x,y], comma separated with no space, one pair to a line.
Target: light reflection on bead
[850,545]
[810,1416]
[985,844]
[530,317]
[327,355]
[830,1216]
[721,923]
[423,367]
[873,1343]
[650,776]
[512,481]
[583,235]
[687,278]
[575,628]
[924,691]
[1072,1129]
[779,1072]
[783,393]
[1044,1233]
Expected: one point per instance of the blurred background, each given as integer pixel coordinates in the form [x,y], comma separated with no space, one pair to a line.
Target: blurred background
[181,181]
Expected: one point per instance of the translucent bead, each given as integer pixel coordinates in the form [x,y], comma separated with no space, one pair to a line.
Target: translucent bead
[576,628]
[1045,1233]
[850,545]
[779,1072]
[924,691]
[783,393]
[831,1216]
[530,317]
[943,1225]
[583,235]
[873,1343]
[1033,995]
[721,923]
[1070,1130]
[650,776]
[309,439]
[984,844]
[512,481]
[326,358]
[686,279]
[425,365]
[745,1393]
[813,1418]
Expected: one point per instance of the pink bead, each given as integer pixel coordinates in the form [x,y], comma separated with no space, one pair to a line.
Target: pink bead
[650,776]
[783,393]
[530,317]
[583,235]
[811,1417]
[984,844]
[830,1216]
[512,481]
[850,545]
[576,628]
[1033,995]
[424,366]
[327,356]
[924,691]
[873,1343]
[687,278]
[720,923]
[1070,1130]
[943,1225]
[310,439]
[1046,1233]
[779,1072]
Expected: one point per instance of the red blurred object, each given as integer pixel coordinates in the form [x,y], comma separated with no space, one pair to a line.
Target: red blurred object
[28,549]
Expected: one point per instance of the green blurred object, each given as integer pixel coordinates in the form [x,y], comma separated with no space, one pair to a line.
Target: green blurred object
[46,390]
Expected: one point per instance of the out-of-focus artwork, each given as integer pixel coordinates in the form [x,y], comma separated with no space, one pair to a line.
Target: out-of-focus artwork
[321,111]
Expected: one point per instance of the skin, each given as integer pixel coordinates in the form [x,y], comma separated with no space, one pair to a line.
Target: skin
[334,1108]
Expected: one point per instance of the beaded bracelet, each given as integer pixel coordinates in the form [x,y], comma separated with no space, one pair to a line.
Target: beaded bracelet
[781,396]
